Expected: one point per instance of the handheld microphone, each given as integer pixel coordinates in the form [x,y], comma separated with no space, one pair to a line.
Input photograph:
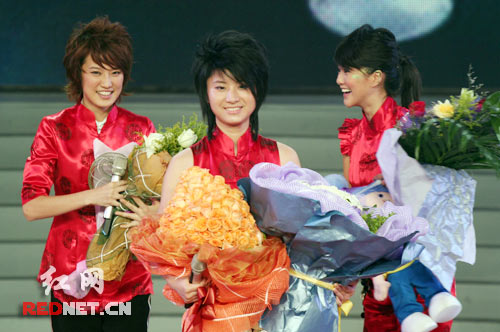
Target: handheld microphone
[197,269]
[118,170]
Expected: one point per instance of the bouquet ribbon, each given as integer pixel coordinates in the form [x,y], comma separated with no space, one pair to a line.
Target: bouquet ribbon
[401,268]
[192,318]
[345,308]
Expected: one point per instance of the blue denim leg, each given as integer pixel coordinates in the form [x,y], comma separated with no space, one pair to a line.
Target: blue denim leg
[402,292]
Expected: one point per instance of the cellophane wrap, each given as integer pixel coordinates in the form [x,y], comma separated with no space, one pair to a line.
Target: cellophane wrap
[246,277]
[327,246]
[145,175]
[443,196]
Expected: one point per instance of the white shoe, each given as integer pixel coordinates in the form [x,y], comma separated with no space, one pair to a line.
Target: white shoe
[418,322]
[444,307]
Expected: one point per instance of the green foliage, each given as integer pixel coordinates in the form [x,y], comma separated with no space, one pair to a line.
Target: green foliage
[375,222]
[469,139]
[171,134]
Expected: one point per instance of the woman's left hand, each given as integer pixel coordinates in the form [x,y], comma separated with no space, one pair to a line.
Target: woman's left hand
[344,293]
[137,212]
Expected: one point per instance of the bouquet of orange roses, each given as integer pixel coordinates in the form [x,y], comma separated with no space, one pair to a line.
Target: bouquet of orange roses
[206,217]
[146,166]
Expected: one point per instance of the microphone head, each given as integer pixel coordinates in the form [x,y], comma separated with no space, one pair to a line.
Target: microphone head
[196,266]
[119,166]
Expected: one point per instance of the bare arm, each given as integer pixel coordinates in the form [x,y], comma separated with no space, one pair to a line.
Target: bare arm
[182,161]
[179,163]
[50,206]
[346,160]
[287,154]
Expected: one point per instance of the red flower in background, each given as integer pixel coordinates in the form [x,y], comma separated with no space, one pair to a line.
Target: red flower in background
[417,108]
[479,105]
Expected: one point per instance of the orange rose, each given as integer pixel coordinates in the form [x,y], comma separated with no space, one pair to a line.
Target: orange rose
[214,224]
[228,239]
[215,242]
[244,241]
[205,209]
[200,224]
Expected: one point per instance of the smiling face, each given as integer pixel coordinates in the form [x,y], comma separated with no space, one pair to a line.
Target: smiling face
[355,86]
[231,102]
[101,87]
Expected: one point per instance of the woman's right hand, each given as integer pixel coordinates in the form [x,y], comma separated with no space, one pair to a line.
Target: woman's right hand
[381,178]
[187,291]
[107,195]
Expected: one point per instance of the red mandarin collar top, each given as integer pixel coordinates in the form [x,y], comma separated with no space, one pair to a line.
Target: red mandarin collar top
[61,156]
[360,138]
[217,155]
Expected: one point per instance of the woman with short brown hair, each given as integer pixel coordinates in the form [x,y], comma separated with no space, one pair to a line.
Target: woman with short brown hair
[98,63]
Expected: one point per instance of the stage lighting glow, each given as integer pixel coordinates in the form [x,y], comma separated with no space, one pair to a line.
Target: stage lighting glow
[407,19]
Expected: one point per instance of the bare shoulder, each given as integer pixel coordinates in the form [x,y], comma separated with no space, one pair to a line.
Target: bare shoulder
[179,163]
[183,159]
[287,154]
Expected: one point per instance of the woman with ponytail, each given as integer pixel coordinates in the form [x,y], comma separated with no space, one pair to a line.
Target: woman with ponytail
[372,72]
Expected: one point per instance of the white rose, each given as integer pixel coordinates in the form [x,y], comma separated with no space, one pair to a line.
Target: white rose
[152,143]
[187,138]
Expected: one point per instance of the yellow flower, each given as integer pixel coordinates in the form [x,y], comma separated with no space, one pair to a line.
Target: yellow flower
[443,110]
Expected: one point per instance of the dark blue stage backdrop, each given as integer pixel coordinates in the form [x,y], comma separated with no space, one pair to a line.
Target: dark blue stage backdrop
[443,36]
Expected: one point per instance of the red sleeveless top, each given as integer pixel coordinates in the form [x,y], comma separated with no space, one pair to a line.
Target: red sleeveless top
[360,138]
[217,155]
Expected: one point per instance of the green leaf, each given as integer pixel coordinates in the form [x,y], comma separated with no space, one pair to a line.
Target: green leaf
[492,103]
[495,122]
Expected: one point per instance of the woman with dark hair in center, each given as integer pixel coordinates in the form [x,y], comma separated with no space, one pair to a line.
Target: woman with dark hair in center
[231,79]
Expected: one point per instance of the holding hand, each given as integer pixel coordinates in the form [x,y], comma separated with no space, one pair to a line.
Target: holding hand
[381,178]
[138,211]
[107,195]
[187,291]
[344,293]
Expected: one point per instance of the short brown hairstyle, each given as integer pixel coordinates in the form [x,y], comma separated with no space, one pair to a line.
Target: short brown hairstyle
[106,42]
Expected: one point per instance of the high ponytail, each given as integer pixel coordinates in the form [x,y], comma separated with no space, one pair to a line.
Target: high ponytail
[411,83]
[370,49]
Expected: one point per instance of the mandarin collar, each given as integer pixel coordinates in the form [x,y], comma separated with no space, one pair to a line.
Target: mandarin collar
[244,142]
[87,117]
[384,117]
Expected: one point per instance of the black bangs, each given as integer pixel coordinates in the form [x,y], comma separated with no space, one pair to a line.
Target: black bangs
[349,52]
[238,55]
[345,56]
